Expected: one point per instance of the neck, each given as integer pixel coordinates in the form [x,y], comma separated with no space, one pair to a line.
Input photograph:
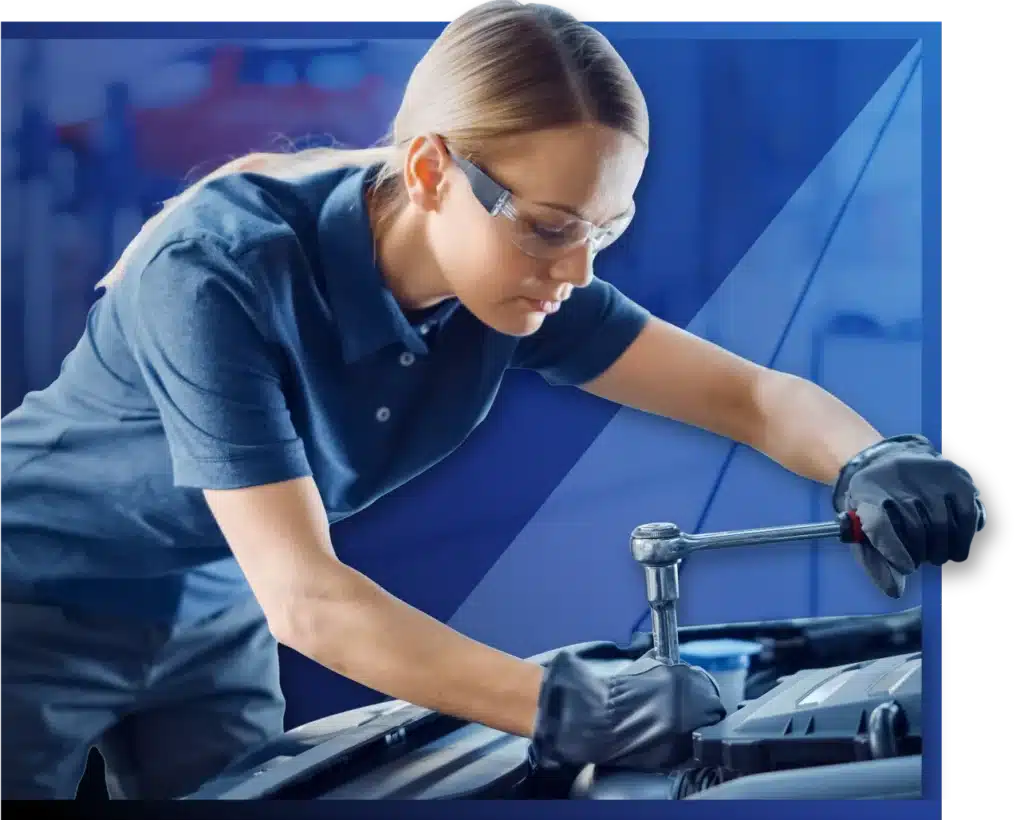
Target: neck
[406,263]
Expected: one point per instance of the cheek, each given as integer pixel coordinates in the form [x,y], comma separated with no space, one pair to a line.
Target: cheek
[462,236]
[482,259]
[509,273]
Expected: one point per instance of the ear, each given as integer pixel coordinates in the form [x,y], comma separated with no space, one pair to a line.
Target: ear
[424,171]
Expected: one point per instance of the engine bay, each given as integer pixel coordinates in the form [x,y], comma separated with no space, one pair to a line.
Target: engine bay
[832,710]
[820,721]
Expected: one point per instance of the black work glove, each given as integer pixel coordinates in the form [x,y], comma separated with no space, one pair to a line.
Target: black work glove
[641,718]
[914,506]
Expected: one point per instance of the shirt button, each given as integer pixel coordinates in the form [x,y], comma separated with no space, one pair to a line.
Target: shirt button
[383,414]
[406,359]
[424,329]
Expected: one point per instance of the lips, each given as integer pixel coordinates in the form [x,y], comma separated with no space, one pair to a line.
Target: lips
[549,304]
[546,306]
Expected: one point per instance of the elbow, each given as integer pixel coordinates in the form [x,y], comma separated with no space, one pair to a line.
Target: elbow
[294,612]
[308,616]
[292,622]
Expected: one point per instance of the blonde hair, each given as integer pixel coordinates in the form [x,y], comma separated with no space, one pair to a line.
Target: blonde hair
[503,68]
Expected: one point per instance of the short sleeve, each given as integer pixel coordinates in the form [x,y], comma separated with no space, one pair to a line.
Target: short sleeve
[209,361]
[585,337]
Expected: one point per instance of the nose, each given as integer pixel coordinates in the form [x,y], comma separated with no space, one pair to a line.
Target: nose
[575,268]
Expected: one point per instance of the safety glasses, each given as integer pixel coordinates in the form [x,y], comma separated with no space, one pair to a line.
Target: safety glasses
[538,230]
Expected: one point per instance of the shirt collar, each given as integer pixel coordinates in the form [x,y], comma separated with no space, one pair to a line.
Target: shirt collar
[367,314]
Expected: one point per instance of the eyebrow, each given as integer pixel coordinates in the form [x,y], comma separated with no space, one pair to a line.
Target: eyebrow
[558,206]
[573,212]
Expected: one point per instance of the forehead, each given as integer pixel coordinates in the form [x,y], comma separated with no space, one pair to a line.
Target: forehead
[590,169]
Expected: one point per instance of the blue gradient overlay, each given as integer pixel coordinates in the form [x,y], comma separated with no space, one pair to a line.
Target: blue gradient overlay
[789,212]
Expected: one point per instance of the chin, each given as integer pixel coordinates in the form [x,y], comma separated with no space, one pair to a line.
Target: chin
[511,322]
[519,325]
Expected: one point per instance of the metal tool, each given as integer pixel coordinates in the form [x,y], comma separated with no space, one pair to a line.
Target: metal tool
[659,547]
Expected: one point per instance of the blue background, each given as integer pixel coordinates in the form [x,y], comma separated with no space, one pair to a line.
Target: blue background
[788,212]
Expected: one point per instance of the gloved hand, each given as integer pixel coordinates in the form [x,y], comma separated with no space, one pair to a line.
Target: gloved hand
[640,718]
[914,506]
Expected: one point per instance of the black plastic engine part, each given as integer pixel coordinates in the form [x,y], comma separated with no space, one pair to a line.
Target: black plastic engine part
[471,762]
[398,752]
[822,716]
[890,779]
[606,783]
[599,783]
[897,778]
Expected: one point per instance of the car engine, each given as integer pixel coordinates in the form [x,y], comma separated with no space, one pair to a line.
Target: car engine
[832,710]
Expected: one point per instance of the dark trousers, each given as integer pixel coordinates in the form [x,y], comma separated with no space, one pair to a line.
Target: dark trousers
[168,709]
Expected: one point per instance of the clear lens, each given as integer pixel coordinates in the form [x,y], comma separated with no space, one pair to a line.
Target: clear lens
[551,233]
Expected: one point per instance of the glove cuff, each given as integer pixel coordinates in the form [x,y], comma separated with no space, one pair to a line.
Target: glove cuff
[549,707]
[880,450]
[569,694]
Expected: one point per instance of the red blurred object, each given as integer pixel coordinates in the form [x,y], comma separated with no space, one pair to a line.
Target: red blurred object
[229,118]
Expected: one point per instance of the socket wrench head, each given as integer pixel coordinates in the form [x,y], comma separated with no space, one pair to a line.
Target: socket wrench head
[656,544]
[662,583]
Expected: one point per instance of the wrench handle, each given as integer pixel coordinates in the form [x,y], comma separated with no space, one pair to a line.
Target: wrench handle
[850,531]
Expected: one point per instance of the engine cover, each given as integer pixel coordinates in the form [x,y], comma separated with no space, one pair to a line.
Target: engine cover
[858,711]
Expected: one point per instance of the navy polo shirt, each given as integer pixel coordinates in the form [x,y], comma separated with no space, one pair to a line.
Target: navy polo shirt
[252,340]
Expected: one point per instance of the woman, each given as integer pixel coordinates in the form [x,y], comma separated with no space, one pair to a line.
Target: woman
[296,336]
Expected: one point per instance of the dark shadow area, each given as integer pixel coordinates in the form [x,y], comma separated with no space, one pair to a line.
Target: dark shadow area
[93,786]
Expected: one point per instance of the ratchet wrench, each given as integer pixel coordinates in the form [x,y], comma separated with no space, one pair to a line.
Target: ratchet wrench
[659,547]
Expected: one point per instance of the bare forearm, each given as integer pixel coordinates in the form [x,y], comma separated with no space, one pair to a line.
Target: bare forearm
[806,429]
[354,627]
